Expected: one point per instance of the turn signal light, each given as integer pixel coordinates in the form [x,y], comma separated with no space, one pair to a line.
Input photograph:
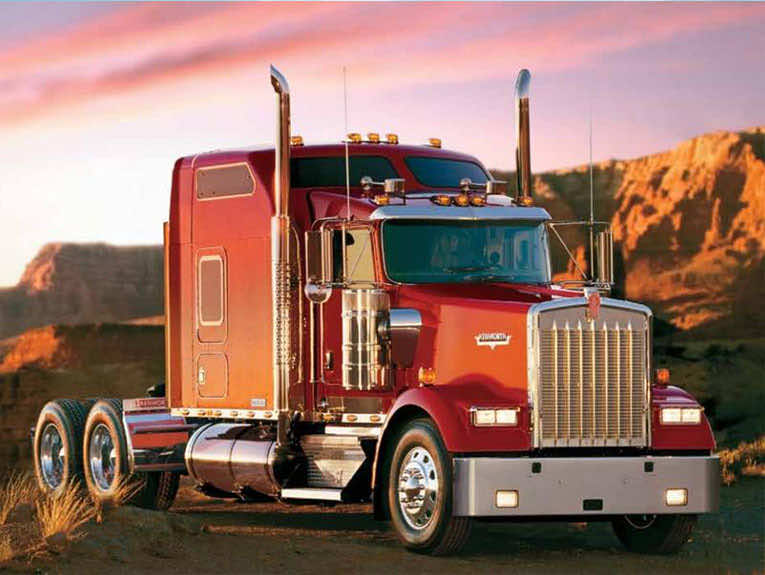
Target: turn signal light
[662,376]
[391,138]
[354,138]
[426,376]
[441,200]
[373,138]
[462,200]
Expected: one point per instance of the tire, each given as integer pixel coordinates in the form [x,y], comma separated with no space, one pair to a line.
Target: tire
[420,497]
[104,452]
[158,490]
[107,468]
[58,444]
[654,534]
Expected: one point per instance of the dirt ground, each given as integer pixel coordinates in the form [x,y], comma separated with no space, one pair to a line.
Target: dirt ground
[203,535]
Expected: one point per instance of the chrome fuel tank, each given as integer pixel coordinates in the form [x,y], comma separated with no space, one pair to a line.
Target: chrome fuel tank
[232,457]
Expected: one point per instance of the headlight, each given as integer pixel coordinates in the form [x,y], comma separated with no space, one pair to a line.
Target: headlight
[681,415]
[486,417]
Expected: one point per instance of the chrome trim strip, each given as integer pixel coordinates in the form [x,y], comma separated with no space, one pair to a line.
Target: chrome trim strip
[433,212]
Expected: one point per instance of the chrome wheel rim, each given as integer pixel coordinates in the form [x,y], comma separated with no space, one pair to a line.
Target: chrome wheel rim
[102,457]
[52,456]
[640,521]
[418,488]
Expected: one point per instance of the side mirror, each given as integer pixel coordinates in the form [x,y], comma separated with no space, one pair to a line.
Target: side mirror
[604,257]
[318,259]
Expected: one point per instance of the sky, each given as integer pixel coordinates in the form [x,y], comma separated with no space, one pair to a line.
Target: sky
[98,100]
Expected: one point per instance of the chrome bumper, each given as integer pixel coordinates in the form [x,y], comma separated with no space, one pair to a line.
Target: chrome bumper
[584,485]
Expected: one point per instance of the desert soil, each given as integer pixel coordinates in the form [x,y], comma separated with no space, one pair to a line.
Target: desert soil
[203,535]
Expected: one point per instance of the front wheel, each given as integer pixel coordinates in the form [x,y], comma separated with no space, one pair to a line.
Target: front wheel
[659,534]
[420,495]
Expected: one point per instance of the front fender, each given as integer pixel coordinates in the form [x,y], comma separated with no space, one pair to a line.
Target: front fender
[678,437]
[449,407]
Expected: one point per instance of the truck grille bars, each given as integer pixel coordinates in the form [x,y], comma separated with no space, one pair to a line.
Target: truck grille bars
[591,379]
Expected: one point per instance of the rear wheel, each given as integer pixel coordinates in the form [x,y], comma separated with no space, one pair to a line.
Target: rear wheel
[105,452]
[58,444]
[659,534]
[420,495]
[107,468]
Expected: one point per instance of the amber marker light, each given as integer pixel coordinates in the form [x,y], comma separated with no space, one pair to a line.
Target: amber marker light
[462,200]
[381,200]
[434,142]
[354,138]
[373,138]
[525,201]
[426,376]
[441,200]
[296,140]
[477,200]
[391,138]
[662,376]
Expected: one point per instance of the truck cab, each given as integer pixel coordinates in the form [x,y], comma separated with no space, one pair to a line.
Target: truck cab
[373,321]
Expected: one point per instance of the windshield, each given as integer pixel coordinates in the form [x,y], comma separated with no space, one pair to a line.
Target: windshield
[444,173]
[465,251]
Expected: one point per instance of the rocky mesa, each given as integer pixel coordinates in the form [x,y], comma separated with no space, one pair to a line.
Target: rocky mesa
[84,283]
[689,227]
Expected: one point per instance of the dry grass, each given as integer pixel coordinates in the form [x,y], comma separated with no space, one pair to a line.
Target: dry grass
[125,491]
[746,459]
[18,488]
[65,513]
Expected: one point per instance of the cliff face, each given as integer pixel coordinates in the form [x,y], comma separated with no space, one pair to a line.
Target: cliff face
[689,227]
[84,283]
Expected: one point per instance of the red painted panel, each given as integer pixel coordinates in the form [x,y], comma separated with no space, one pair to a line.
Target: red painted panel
[677,437]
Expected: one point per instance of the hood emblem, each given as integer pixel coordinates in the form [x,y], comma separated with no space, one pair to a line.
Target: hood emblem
[593,306]
[492,339]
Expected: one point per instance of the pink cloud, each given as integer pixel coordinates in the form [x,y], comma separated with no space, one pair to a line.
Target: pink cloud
[142,45]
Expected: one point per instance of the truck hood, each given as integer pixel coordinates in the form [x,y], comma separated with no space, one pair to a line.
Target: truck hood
[476,334]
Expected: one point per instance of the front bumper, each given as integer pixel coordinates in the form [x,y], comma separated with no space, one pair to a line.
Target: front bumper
[584,486]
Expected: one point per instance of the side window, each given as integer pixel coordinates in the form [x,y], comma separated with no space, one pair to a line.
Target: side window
[210,290]
[360,263]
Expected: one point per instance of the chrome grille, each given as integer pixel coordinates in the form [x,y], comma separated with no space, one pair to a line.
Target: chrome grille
[592,379]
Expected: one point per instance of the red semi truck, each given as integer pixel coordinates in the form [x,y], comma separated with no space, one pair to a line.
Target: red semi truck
[369,321]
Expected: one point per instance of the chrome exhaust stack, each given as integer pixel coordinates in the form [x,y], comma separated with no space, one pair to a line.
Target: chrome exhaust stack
[523,145]
[280,257]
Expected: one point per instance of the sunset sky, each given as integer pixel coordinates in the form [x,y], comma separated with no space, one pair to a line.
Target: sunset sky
[98,100]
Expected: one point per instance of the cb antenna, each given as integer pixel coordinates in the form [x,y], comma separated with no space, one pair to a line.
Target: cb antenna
[347,157]
[347,177]
[592,201]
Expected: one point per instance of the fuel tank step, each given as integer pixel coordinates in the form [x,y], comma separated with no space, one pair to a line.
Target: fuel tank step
[312,493]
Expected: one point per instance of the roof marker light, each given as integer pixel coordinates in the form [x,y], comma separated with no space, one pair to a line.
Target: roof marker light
[354,138]
[462,200]
[391,138]
[441,200]
[434,142]
[296,140]
[373,138]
